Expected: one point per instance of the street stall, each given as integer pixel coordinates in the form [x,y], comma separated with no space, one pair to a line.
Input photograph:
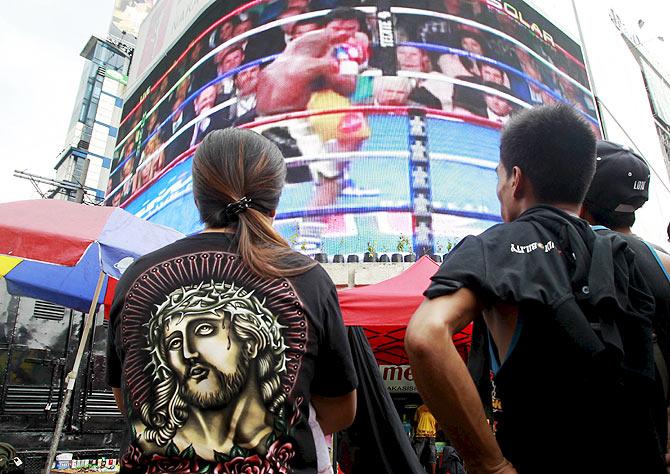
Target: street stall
[377,316]
[64,254]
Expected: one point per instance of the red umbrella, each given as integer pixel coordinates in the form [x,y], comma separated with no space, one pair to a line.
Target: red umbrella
[384,310]
[390,302]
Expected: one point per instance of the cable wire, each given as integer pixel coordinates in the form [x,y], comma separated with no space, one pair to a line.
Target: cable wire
[637,148]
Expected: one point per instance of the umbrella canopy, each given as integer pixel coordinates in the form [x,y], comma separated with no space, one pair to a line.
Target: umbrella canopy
[54,250]
[72,287]
[390,302]
[62,252]
[384,310]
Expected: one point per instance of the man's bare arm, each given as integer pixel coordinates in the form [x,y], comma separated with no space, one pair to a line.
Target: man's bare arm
[335,413]
[445,384]
[342,84]
[665,261]
[285,85]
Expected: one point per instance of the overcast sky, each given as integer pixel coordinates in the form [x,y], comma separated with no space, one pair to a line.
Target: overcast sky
[40,41]
[618,82]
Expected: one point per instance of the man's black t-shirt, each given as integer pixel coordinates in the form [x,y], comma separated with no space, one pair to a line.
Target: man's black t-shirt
[217,365]
[659,283]
[557,397]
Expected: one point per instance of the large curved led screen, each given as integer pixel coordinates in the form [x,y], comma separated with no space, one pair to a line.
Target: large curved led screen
[388,113]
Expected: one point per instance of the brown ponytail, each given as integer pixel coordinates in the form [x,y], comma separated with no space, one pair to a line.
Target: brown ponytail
[232,164]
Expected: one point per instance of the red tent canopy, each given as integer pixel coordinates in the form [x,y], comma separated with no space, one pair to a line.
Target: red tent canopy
[384,310]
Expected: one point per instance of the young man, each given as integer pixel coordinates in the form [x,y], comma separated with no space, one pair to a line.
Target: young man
[424,437]
[202,105]
[246,83]
[620,187]
[498,109]
[565,322]
[181,112]
[492,106]
[226,60]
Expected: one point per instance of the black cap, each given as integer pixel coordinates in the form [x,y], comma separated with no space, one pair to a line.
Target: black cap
[621,182]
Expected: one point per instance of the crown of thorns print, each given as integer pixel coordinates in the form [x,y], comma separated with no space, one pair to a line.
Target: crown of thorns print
[217,299]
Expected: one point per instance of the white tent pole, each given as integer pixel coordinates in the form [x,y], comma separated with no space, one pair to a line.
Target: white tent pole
[72,376]
[589,72]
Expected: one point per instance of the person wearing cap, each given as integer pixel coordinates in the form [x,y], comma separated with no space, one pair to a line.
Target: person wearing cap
[562,353]
[619,188]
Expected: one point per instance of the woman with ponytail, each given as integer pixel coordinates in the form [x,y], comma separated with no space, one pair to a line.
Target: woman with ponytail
[238,176]
[227,350]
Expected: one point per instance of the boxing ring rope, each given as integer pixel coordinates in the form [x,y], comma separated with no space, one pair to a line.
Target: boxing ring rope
[269,120]
[336,210]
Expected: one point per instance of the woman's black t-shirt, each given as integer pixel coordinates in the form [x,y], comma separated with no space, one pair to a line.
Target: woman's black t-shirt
[217,364]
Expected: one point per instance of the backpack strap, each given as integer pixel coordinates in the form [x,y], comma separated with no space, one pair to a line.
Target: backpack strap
[662,367]
[661,364]
[657,258]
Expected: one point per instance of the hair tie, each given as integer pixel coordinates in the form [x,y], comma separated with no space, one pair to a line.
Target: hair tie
[237,207]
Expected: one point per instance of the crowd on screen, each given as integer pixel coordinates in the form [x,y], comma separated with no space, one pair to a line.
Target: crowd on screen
[445,64]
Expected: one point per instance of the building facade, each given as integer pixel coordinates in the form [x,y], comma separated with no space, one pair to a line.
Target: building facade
[86,159]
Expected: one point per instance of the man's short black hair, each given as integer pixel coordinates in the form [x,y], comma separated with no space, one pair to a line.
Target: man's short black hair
[462,34]
[307,21]
[555,148]
[611,219]
[342,13]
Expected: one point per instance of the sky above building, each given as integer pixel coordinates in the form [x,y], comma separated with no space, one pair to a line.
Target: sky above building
[40,73]
[41,70]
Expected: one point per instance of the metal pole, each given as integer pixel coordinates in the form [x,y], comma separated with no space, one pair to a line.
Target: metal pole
[589,72]
[72,376]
